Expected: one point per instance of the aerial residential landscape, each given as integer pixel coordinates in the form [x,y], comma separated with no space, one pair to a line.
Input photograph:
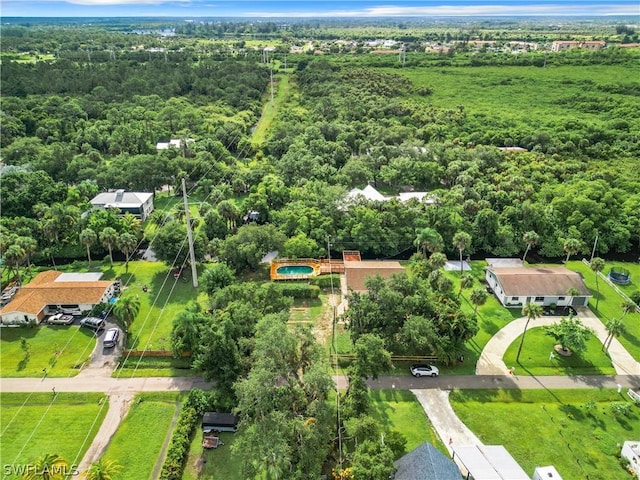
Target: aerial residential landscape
[319,240]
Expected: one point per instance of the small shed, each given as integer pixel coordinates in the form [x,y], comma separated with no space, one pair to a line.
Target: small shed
[488,462]
[546,473]
[219,422]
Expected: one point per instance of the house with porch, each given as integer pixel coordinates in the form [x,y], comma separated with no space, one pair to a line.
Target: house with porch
[51,292]
[518,286]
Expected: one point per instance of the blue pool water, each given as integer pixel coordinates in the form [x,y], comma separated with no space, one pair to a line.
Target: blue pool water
[294,270]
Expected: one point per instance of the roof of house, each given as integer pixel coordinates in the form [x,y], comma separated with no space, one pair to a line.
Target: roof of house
[368,192]
[425,462]
[539,281]
[48,289]
[121,199]
[219,418]
[357,272]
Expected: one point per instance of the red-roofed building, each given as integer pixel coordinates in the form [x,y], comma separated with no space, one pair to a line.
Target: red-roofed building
[51,291]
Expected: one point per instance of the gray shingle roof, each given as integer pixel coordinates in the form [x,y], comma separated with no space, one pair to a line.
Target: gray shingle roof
[426,463]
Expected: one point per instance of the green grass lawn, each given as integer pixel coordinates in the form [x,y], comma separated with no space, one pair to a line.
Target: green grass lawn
[214,464]
[138,441]
[36,424]
[58,348]
[164,299]
[610,302]
[552,427]
[308,310]
[534,359]
[134,367]
[400,410]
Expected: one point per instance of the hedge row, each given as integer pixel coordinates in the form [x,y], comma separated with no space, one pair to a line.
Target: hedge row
[196,403]
[325,281]
[300,290]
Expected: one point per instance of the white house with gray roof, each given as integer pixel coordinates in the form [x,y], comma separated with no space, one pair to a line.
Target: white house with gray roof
[139,204]
[518,286]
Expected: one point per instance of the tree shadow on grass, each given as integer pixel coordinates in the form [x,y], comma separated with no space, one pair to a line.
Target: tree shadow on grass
[490,326]
[164,288]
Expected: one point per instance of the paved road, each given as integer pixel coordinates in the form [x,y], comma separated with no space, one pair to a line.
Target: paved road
[444,382]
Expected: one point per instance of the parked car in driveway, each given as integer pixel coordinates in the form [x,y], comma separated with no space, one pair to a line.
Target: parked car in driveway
[60,319]
[424,371]
[93,323]
[111,338]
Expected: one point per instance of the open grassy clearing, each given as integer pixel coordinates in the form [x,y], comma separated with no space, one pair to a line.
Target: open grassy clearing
[35,424]
[610,305]
[138,441]
[501,95]
[154,367]
[214,464]
[552,427]
[535,357]
[59,349]
[270,109]
[308,310]
[400,410]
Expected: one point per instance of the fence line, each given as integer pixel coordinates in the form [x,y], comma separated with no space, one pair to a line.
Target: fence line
[614,286]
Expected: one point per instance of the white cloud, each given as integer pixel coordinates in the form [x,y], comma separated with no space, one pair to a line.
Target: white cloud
[466,10]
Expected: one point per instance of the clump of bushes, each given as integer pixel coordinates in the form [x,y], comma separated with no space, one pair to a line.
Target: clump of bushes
[324,281]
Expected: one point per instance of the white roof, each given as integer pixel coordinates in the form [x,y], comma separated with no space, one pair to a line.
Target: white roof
[367,192]
[504,463]
[454,266]
[79,277]
[489,462]
[475,463]
[119,199]
[548,473]
[406,196]
[173,143]
[504,262]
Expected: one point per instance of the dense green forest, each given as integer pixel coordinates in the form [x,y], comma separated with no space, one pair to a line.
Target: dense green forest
[74,127]
[518,150]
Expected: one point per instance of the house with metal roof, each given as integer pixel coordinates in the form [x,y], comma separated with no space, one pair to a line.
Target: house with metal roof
[139,204]
[518,286]
[425,462]
[51,292]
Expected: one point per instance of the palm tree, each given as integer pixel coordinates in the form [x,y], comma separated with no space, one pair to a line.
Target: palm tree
[462,241]
[229,212]
[127,244]
[437,260]
[597,265]
[102,470]
[478,297]
[48,467]
[627,306]
[532,311]
[30,246]
[572,292]
[88,237]
[428,239]
[531,238]
[571,246]
[615,328]
[14,256]
[109,237]
[126,309]
[466,281]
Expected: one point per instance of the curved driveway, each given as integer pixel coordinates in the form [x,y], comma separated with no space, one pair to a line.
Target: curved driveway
[490,362]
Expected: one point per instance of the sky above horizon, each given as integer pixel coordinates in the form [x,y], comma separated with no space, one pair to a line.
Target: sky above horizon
[314,8]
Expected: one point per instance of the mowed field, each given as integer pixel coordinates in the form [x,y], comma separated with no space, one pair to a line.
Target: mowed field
[37,424]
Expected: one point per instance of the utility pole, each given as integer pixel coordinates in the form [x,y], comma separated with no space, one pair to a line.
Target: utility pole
[285,61]
[593,252]
[192,253]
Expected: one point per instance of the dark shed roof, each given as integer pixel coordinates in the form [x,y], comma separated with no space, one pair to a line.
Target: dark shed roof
[426,463]
[217,418]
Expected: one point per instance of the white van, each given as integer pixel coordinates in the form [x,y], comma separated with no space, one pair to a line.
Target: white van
[111,338]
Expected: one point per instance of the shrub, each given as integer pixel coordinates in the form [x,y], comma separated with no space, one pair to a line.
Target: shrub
[300,290]
[621,409]
[195,405]
[324,281]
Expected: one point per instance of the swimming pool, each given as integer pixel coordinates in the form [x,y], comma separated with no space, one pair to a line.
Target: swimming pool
[294,270]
